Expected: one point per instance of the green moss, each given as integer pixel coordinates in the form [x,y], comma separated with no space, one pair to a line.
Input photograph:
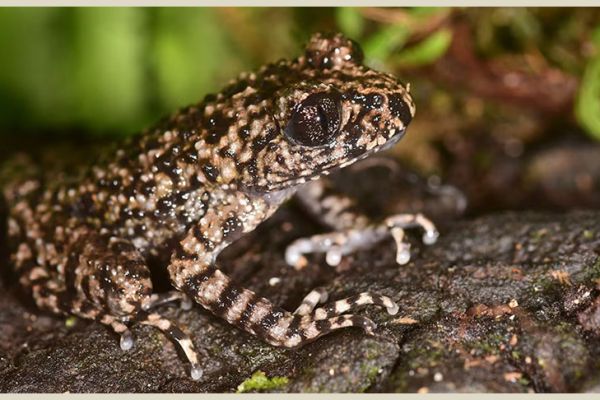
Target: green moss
[523,381]
[594,271]
[543,285]
[70,322]
[259,382]
[588,234]
[588,274]
[428,355]
[371,373]
[488,345]
[538,235]
[372,351]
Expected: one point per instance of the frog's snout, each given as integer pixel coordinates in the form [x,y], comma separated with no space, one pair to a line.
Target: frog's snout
[400,107]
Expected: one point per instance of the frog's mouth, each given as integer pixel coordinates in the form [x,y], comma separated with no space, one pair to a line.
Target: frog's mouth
[389,143]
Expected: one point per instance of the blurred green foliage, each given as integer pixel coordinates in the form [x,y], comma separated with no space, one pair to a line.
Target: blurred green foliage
[386,45]
[107,69]
[588,99]
[427,51]
[117,70]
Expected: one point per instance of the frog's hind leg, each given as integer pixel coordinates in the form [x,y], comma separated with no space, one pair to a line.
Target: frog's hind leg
[192,269]
[115,289]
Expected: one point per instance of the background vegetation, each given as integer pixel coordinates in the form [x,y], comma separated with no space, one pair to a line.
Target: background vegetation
[113,70]
[489,83]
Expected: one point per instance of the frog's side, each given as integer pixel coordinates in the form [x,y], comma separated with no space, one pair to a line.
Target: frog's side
[203,178]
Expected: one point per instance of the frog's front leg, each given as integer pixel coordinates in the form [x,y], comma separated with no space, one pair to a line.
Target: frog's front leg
[193,270]
[354,231]
[241,307]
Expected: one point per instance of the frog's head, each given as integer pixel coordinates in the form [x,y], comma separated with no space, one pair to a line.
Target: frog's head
[304,118]
[331,112]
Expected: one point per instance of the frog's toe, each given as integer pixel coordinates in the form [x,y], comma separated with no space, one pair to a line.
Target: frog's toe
[180,338]
[397,224]
[308,323]
[334,245]
[402,247]
[196,372]
[313,328]
[339,307]
[430,237]
[126,342]
[308,304]
[405,221]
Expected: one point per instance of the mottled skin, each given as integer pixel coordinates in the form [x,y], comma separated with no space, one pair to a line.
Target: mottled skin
[201,179]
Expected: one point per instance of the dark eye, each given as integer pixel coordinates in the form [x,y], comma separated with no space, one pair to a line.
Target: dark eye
[316,120]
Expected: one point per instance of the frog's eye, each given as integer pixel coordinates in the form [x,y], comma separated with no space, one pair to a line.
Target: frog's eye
[316,120]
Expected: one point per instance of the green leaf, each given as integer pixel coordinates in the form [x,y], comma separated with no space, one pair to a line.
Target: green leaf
[192,55]
[426,51]
[33,71]
[350,21]
[108,67]
[381,44]
[587,107]
[426,11]
[596,36]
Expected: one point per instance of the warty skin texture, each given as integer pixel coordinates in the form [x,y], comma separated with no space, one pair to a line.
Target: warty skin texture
[195,183]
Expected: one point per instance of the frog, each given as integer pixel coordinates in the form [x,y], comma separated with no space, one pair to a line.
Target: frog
[203,177]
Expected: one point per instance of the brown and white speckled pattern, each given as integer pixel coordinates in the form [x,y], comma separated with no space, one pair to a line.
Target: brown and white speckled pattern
[198,181]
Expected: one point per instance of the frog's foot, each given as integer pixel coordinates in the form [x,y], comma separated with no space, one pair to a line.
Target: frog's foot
[120,326]
[158,299]
[309,323]
[311,300]
[87,310]
[397,223]
[167,327]
[180,338]
[339,307]
[337,244]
